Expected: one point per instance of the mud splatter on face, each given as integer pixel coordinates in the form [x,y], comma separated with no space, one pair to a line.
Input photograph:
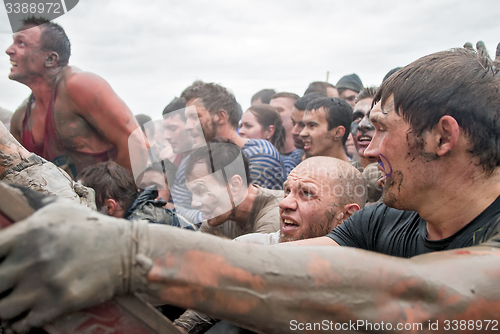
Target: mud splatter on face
[331,212]
[429,156]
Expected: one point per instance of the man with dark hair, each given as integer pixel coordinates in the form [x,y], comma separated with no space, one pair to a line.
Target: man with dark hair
[292,160]
[114,187]
[66,119]
[263,96]
[283,102]
[323,88]
[362,129]
[434,268]
[174,123]
[349,87]
[219,179]
[212,111]
[157,175]
[117,196]
[298,110]
[327,124]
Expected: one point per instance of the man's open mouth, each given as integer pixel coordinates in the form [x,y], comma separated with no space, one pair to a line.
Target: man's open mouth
[289,226]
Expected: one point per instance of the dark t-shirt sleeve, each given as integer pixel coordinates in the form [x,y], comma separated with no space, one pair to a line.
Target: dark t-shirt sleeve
[492,237]
[355,231]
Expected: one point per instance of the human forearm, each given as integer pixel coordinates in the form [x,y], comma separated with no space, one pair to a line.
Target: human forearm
[11,152]
[265,288]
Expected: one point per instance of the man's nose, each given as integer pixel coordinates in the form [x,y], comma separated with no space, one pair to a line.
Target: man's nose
[372,151]
[304,133]
[365,125]
[10,50]
[189,125]
[288,203]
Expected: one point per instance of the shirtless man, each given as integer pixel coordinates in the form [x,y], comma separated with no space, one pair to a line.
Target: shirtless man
[66,119]
[439,267]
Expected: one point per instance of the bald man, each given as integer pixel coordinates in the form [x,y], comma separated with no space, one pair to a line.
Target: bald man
[320,193]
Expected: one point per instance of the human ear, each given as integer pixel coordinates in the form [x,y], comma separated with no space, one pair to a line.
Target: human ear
[52,59]
[235,184]
[222,117]
[110,206]
[349,209]
[446,134]
[338,132]
[269,132]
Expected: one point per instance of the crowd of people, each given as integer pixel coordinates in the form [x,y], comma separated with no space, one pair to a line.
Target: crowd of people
[395,189]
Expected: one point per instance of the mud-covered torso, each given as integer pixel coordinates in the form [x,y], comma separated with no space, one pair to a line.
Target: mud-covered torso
[60,134]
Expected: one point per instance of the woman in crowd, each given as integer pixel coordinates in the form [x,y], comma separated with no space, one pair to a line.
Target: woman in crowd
[263,122]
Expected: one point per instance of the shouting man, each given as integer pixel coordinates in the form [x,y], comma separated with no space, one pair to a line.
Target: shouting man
[66,119]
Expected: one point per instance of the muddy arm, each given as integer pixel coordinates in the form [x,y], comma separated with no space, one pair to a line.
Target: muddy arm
[266,288]
[11,152]
[83,258]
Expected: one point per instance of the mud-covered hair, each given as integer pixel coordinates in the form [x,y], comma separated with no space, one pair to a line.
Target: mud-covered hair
[460,83]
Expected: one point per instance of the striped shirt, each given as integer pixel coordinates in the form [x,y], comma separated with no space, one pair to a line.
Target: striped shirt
[266,170]
[292,160]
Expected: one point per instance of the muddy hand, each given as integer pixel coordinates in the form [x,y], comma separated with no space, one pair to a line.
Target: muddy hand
[66,257]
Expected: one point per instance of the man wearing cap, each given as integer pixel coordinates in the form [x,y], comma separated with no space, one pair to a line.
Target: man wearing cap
[349,87]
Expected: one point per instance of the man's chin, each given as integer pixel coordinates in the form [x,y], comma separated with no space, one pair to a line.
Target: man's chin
[287,238]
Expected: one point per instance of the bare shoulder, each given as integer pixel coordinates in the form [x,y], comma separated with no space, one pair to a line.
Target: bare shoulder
[89,93]
[16,122]
[76,81]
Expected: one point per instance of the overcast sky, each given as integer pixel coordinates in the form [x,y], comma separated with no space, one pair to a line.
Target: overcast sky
[149,51]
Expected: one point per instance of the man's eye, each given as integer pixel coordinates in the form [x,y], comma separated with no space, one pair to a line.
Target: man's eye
[307,193]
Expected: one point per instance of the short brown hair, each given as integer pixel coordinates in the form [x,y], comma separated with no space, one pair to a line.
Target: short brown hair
[458,83]
[215,98]
[292,96]
[110,180]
